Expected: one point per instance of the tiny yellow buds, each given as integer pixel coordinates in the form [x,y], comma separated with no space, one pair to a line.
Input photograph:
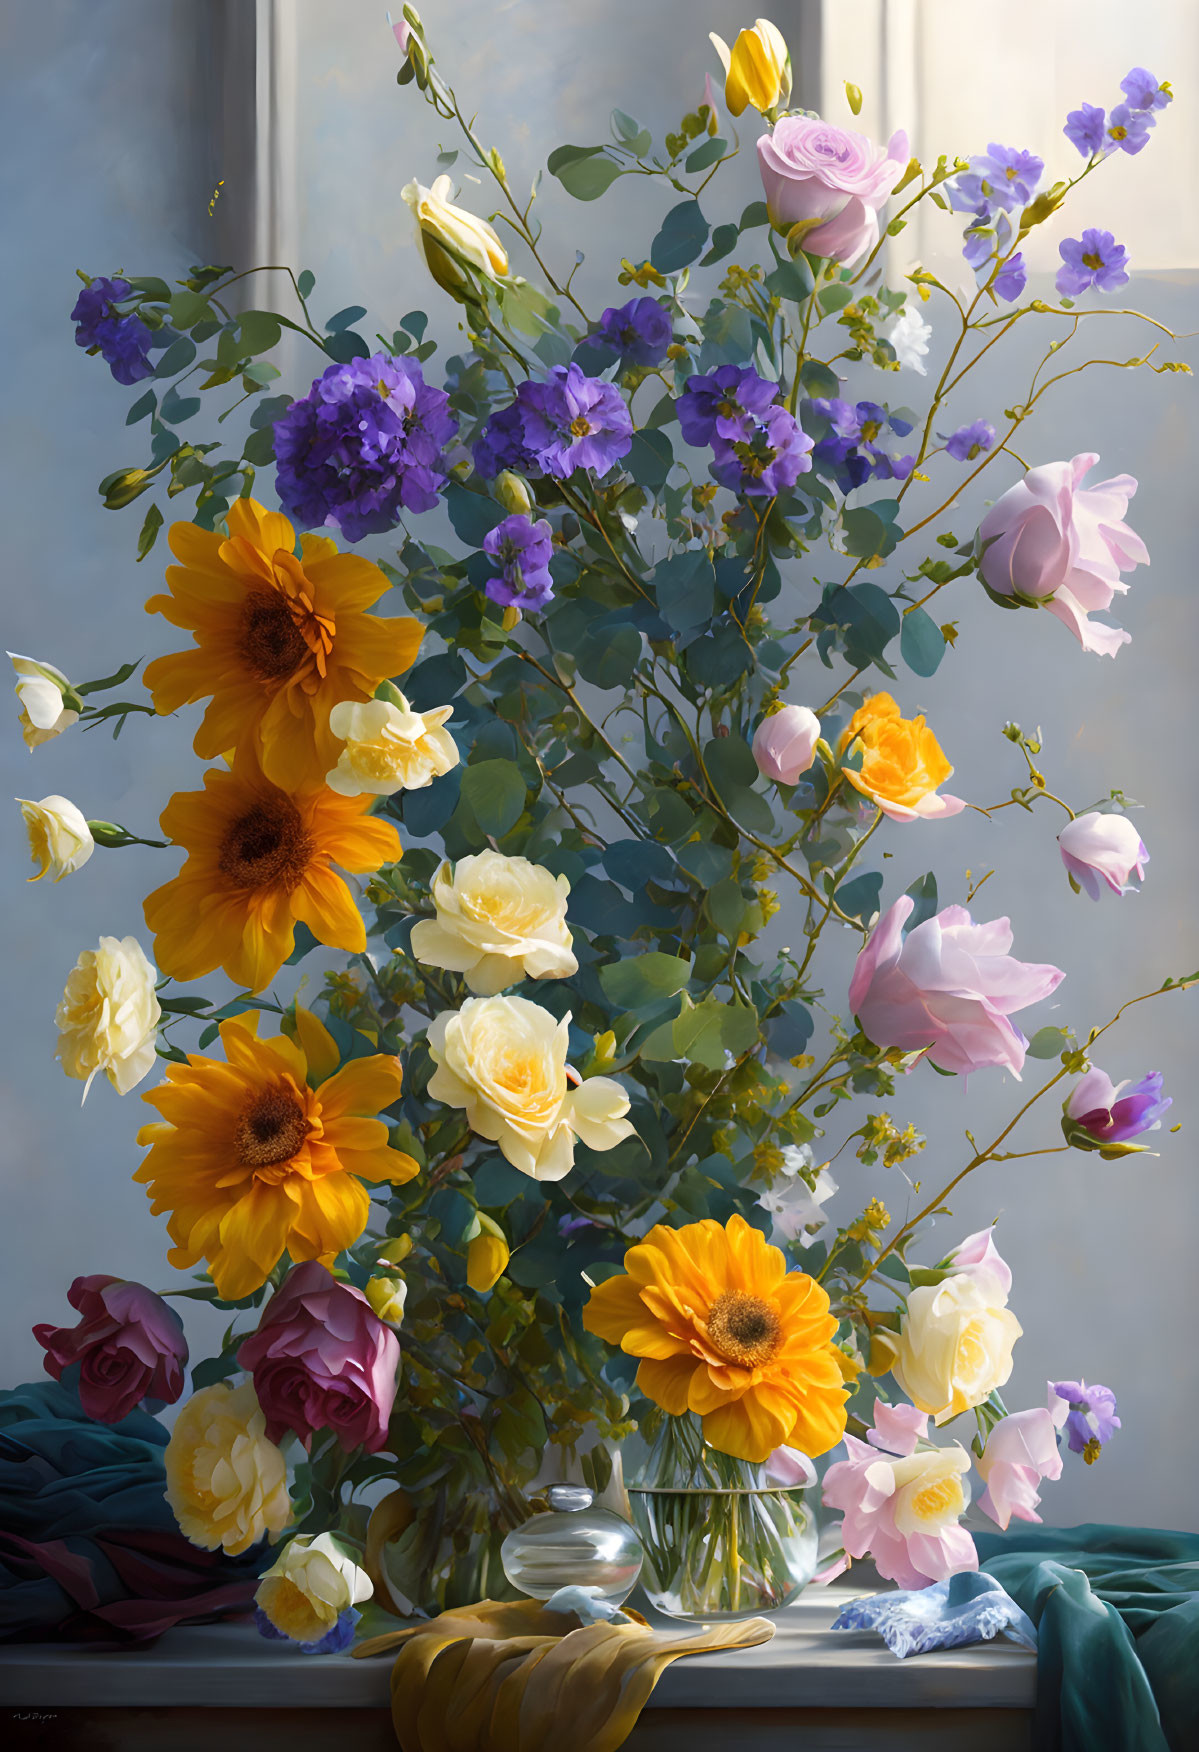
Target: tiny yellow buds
[605,1048]
[853,97]
[387,1296]
[397,1251]
[510,617]
[512,491]
[645,275]
[757,70]
[487,1256]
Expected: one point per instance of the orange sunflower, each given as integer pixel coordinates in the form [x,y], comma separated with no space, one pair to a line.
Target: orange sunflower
[279,641]
[252,1161]
[726,1331]
[259,859]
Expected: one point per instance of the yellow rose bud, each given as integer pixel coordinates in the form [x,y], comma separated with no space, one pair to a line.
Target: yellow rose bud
[902,762]
[487,1259]
[512,491]
[457,244]
[60,840]
[510,618]
[389,747]
[108,1015]
[387,1296]
[396,1252]
[757,71]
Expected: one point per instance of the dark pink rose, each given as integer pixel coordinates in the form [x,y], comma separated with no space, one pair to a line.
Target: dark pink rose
[129,1345]
[323,1360]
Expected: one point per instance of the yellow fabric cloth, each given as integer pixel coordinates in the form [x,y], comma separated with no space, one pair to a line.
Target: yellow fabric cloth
[508,1676]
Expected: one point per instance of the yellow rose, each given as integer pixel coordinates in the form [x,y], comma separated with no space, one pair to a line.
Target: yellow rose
[389,747]
[487,1256]
[504,1061]
[108,1015]
[40,691]
[60,840]
[308,1587]
[757,72]
[499,920]
[226,1483]
[902,762]
[387,1296]
[955,1345]
[454,240]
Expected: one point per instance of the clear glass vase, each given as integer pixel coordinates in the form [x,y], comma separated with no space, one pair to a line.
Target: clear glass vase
[721,1540]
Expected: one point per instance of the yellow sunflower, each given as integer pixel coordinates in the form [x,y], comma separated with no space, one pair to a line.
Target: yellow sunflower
[902,762]
[279,641]
[726,1331]
[251,1161]
[259,860]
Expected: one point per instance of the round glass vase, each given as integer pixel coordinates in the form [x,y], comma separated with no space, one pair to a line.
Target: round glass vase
[721,1539]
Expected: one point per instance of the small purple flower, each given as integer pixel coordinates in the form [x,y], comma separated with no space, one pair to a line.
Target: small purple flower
[501,444]
[1002,177]
[1094,259]
[639,331]
[1011,279]
[334,1642]
[766,459]
[1128,129]
[123,341]
[523,549]
[1084,129]
[1091,1420]
[849,448]
[568,1226]
[724,404]
[364,445]
[1106,1116]
[970,441]
[573,421]
[1143,92]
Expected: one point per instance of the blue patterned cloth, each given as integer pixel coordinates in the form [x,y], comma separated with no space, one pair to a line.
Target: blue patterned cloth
[968,1608]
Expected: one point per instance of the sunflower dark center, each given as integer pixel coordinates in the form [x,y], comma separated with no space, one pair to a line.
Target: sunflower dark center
[271,643]
[271,1129]
[266,846]
[744,1329]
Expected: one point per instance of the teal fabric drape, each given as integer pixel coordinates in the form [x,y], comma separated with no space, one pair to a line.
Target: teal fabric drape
[1117,1613]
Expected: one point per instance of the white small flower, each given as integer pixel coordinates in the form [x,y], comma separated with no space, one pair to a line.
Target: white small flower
[909,335]
[40,689]
[797,1157]
[795,1208]
[60,840]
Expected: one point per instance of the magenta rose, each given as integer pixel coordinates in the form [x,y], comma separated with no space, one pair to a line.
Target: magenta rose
[129,1346]
[812,170]
[950,985]
[323,1360]
[1055,542]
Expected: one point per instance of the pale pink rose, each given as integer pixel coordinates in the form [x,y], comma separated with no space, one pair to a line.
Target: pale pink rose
[901,1500]
[1095,846]
[784,744]
[950,986]
[1056,542]
[977,1256]
[813,170]
[1021,1450]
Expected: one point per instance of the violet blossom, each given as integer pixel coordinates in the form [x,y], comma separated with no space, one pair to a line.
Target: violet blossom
[523,549]
[970,441]
[1091,1420]
[725,404]
[765,460]
[1085,128]
[1108,1117]
[850,447]
[639,331]
[122,340]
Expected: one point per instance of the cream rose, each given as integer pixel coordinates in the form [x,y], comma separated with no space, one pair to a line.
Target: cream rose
[389,747]
[928,1492]
[504,1061]
[108,1015]
[60,840]
[955,1345]
[309,1585]
[226,1483]
[40,691]
[452,237]
[499,920]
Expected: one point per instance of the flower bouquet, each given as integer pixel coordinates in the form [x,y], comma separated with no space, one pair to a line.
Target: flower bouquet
[545,1158]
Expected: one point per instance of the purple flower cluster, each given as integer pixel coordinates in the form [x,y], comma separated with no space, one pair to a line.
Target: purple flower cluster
[1094,259]
[365,444]
[1091,1420]
[970,441]
[523,549]
[639,331]
[334,1642]
[1130,123]
[569,422]
[850,449]
[758,448]
[1000,179]
[123,341]
[987,242]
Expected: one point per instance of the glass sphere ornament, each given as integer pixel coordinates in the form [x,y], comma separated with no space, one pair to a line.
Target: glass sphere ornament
[574,1544]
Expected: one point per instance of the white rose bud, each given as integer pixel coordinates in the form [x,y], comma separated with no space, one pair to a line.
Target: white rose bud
[60,840]
[42,690]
